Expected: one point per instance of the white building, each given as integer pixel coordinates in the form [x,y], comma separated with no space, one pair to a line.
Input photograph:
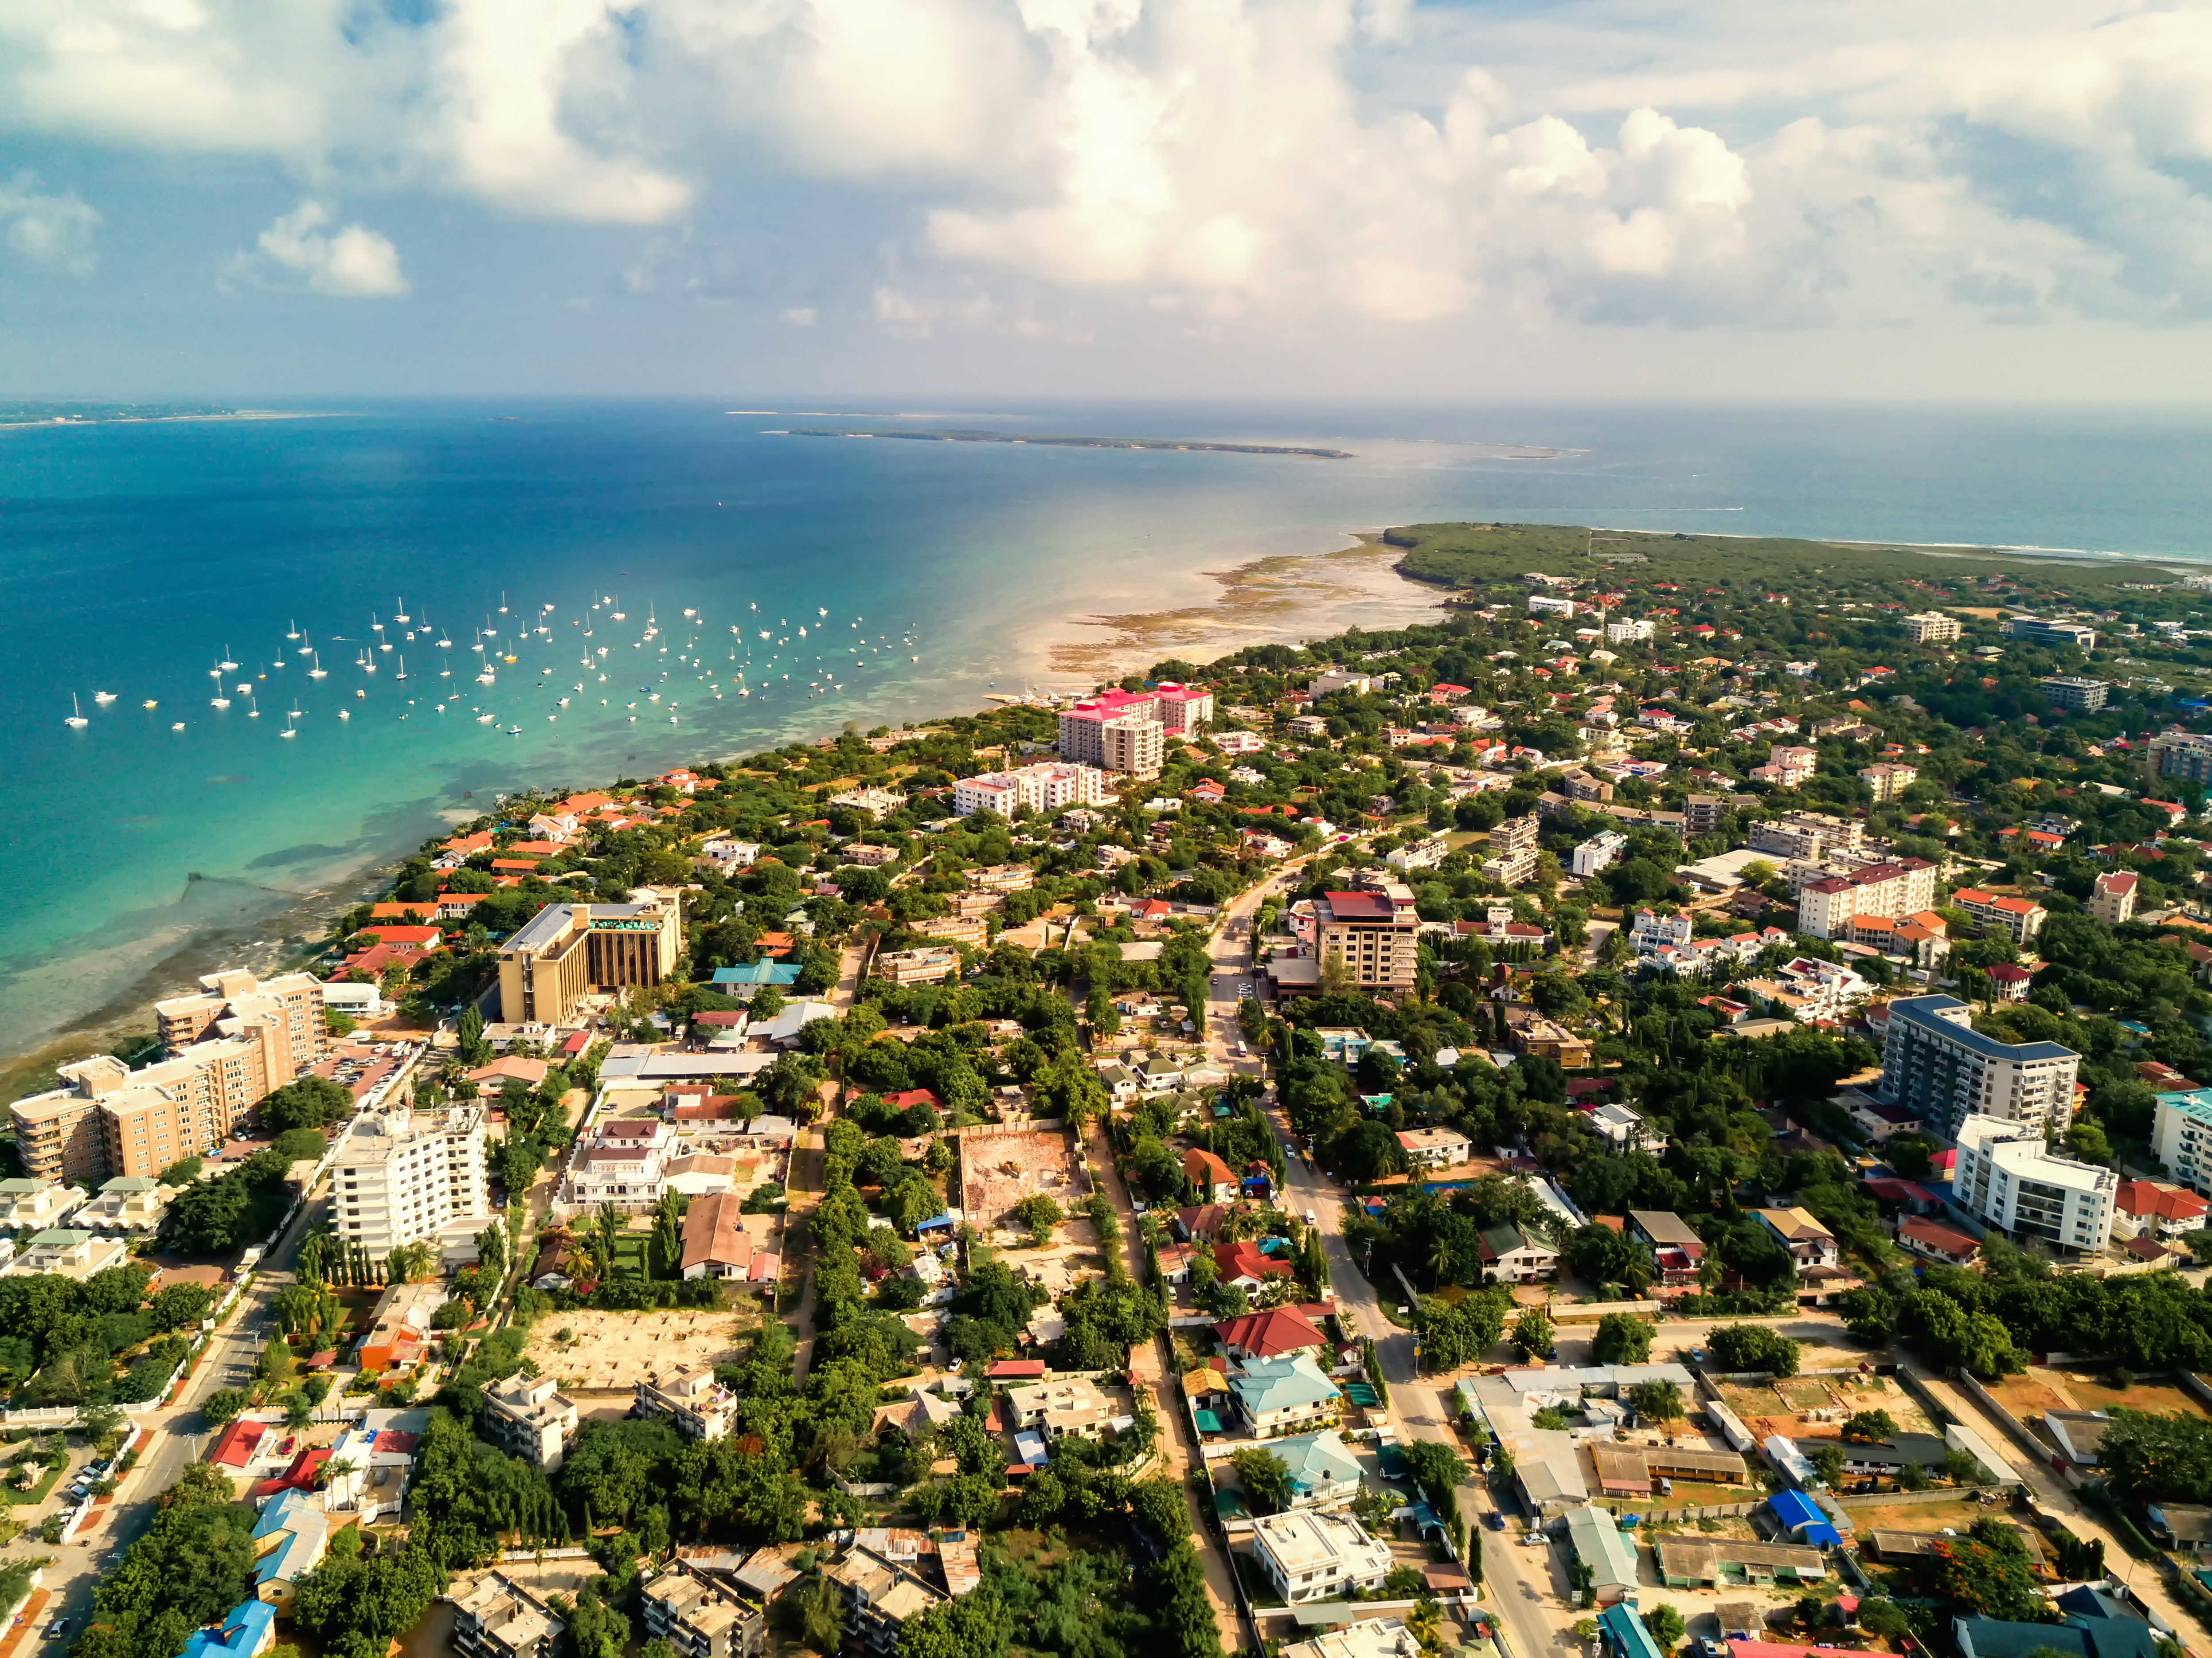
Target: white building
[1378,1637]
[691,1400]
[1599,852]
[1627,631]
[1318,1557]
[529,1417]
[2181,1136]
[625,1163]
[1544,604]
[2010,1178]
[1931,628]
[1935,1063]
[402,1176]
[1050,785]
[1425,854]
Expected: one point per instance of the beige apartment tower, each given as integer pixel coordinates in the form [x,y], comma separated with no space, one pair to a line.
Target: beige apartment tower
[568,951]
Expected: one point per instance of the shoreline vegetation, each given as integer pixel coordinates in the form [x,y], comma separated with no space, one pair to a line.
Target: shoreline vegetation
[957,435]
[18,418]
[1271,599]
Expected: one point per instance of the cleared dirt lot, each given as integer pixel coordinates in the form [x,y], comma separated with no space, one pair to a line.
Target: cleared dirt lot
[612,1352]
[1782,1407]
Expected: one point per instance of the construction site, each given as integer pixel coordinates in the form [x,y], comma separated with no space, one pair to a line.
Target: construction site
[1000,1166]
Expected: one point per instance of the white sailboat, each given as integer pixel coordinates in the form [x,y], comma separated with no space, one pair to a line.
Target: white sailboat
[318,671]
[294,634]
[218,702]
[227,665]
[445,673]
[252,711]
[345,713]
[76,721]
[403,669]
[400,614]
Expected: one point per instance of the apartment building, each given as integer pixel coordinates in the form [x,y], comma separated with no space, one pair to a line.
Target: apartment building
[1826,907]
[568,951]
[499,1618]
[529,1416]
[1050,785]
[2112,900]
[2019,917]
[1513,850]
[700,1620]
[2052,633]
[1318,1557]
[916,967]
[2181,1136]
[879,1597]
[1786,766]
[2184,754]
[1807,834]
[1937,1064]
[690,1401]
[1373,931]
[625,1165]
[2010,1179]
[1889,779]
[1120,732]
[1628,630]
[1058,1409]
[1931,628]
[872,802]
[288,1012]
[404,1176]
[1701,813]
[2072,691]
[1599,852]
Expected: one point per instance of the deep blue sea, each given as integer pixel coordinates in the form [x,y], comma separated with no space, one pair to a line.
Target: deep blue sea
[135,558]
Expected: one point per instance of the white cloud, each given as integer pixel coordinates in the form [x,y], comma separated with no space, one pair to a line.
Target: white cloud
[1253,165]
[51,229]
[351,262]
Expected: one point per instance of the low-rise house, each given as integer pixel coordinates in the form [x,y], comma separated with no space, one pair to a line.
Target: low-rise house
[1809,1243]
[378,1455]
[1276,1332]
[1245,1265]
[1279,1396]
[715,1242]
[701,1619]
[529,1416]
[1435,1148]
[1710,1561]
[1213,1178]
[691,1400]
[500,1618]
[68,1254]
[1513,1256]
[1309,1555]
[30,1204]
[128,1203]
[246,1630]
[2080,1434]
[1925,1237]
[288,1539]
[1604,1553]
[1323,1474]
[2184,1526]
[2155,1209]
[1881,1456]
[1377,1638]
[1676,1249]
[1057,1409]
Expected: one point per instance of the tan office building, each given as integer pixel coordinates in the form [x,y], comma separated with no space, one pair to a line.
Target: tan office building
[568,951]
[1374,932]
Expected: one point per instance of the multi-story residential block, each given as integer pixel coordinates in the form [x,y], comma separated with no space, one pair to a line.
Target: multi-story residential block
[1435,1148]
[1545,605]
[1424,853]
[1701,813]
[499,1618]
[1581,786]
[1889,779]
[691,1400]
[916,967]
[1628,630]
[2021,919]
[65,1252]
[1181,707]
[701,1619]
[403,1176]
[2184,754]
[1059,1409]
[288,1012]
[1807,834]
[971,930]
[1133,747]
[2052,633]
[568,951]
[1599,852]
[1513,850]
[1373,931]
[29,1204]
[879,1597]
[1049,785]
[1126,731]
[128,1203]
[2010,1179]
[2072,691]
[870,802]
[1786,767]
[624,1165]
[1935,1063]
[529,1416]
[2112,900]
[1308,1555]
[1931,628]
[1827,907]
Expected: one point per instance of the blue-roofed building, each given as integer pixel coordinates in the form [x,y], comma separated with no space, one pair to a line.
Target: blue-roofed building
[249,1628]
[1323,1472]
[289,1539]
[1622,1634]
[1935,1063]
[1801,1519]
[1281,1395]
[782,974]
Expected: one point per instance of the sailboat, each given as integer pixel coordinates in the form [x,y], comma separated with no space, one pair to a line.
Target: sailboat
[218,702]
[76,721]
[402,668]
[226,665]
[318,671]
[345,713]
[503,601]
[400,614]
[149,703]
[445,673]
[294,634]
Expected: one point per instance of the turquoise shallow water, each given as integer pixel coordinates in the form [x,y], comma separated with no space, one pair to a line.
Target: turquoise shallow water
[133,557]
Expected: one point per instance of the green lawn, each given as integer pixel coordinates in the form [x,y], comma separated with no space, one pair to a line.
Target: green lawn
[38,1493]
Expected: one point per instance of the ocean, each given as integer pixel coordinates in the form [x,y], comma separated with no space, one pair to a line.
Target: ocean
[140,556]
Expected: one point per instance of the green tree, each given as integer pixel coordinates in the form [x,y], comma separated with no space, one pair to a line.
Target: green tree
[1531,1333]
[1656,1401]
[1666,1626]
[1265,1476]
[1875,1425]
[1747,1347]
[1622,1339]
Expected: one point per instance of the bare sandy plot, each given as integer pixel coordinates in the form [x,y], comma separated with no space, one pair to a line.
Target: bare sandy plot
[2093,1391]
[1809,1407]
[997,1171]
[612,1352]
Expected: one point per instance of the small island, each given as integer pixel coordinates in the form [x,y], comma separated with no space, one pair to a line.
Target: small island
[956,436]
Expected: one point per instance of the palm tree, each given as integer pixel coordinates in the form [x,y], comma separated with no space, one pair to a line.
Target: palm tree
[298,1412]
[339,1467]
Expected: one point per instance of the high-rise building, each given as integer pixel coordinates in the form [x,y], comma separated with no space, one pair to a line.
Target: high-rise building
[1825,907]
[403,1176]
[1935,1063]
[2072,691]
[2185,755]
[2021,918]
[1931,628]
[1889,779]
[567,952]
[289,1011]
[1374,932]
[2008,1178]
[1807,834]
[1131,745]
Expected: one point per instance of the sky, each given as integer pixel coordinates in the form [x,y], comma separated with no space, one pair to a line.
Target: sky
[1981,200]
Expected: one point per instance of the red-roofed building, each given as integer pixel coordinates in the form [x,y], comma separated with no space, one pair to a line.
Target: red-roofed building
[235,1446]
[2113,900]
[1213,1178]
[402,911]
[1910,1194]
[1015,1369]
[422,938]
[2158,1209]
[1276,1333]
[1923,1237]
[914,1097]
[300,1476]
[1244,1264]
[533,850]
[2008,983]
[1448,693]
[464,845]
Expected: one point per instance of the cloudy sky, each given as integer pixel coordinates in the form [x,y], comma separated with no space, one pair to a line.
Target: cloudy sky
[1988,199]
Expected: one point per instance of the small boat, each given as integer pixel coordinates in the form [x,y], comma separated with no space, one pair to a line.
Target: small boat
[486,719]
[294,634]
[402,668]
[218,702]
[359,692]
[319,671]
[178,726]
[76,721]
[400,614]
[514,730]
[289,731]
[444,644]
[345,713]
[503,601]
[251,712]
[246,690]
[103,698]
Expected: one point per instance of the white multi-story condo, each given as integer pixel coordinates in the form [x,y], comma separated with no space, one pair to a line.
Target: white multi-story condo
[1825,907]
[2181,1136]
[404,1176]
[1318,1557]
[1049,785]
[1935,1063]
[1599,852]
[1931,628]
[2010,1178]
